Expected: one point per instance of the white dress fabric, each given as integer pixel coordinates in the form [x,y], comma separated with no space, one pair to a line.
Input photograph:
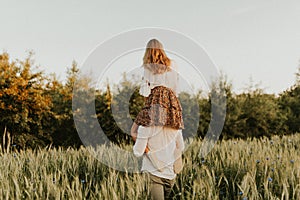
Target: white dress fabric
[161,140]
[168,79]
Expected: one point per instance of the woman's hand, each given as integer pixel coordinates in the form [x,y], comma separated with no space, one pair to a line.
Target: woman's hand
[133,135]
[147,149]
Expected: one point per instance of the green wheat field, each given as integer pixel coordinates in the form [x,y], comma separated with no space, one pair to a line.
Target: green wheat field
[234,169]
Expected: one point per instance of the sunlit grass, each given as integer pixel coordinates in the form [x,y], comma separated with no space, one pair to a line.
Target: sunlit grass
[234,169]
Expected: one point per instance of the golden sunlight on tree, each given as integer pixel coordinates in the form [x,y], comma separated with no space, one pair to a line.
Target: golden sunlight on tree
[22,103]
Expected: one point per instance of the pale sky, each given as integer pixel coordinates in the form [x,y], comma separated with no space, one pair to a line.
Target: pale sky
[245,39]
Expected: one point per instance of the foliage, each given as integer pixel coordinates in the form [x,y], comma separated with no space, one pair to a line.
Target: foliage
[290,104]
[62,124]
[23,102]
[38,110]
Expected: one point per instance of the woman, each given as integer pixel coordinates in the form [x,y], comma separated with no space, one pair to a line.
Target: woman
[157,129]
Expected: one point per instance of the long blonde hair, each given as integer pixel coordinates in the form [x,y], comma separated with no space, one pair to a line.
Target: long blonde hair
[155,58]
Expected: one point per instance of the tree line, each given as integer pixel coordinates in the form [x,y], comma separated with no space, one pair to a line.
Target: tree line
[36,109]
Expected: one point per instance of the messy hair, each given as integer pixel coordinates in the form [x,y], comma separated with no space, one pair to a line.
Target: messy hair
[155,58]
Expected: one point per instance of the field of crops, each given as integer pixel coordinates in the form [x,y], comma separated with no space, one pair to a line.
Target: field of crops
[235,169]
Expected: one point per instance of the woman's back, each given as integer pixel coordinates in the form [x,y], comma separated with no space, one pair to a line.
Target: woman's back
[161,141]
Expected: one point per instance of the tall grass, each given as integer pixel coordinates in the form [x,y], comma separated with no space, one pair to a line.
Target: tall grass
[234,169]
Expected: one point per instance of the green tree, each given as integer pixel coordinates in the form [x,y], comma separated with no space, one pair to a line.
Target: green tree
[191,114]
[260,114]
[290,104]
[63,132]
[23,103]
